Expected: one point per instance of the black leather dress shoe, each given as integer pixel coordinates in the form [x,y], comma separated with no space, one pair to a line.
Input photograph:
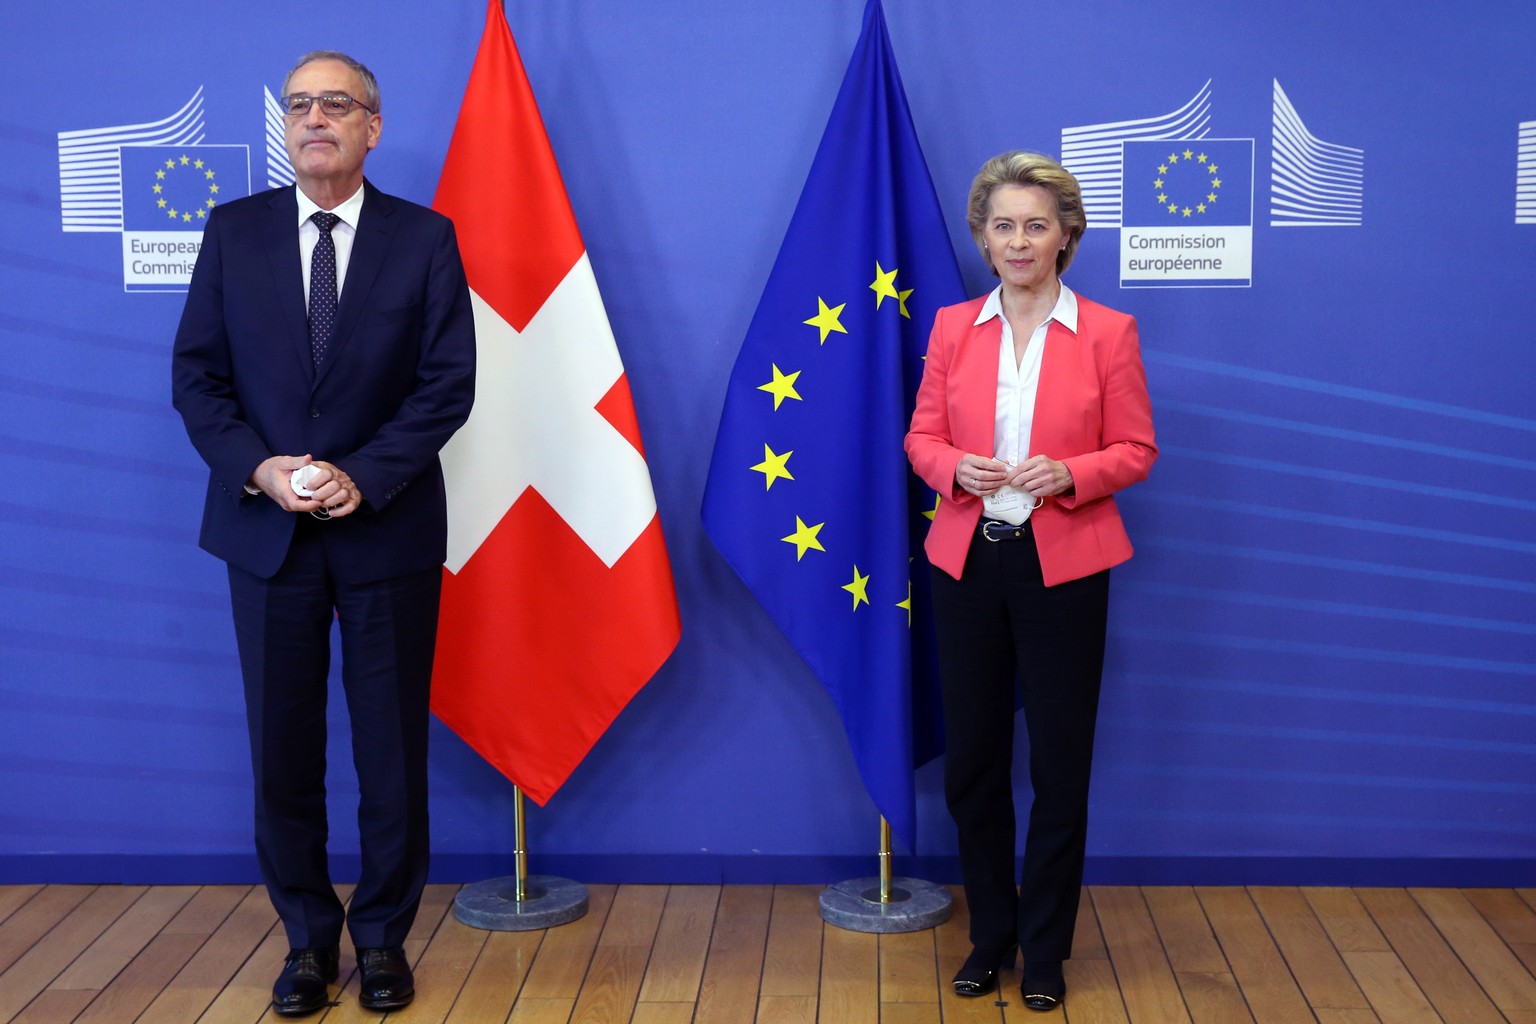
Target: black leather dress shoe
[301,988]
[978,975]
[387,983]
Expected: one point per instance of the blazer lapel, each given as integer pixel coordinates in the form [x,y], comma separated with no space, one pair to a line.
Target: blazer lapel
[1060,399]
[282,245]
[974,384]
[375,230]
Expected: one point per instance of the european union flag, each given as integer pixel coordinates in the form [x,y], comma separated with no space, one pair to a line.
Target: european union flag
[173,188]
[810,497]
[1188,183]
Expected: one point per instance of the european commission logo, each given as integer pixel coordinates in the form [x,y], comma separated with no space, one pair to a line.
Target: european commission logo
[156,183]
[1187,218]
[1183,201]
[168,192]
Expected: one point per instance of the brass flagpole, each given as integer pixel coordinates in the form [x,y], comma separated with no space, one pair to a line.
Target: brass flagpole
[519,845]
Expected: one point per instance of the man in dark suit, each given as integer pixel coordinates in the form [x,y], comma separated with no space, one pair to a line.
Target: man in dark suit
[328,331]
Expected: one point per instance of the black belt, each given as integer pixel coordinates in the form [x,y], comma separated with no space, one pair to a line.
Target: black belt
[996,530]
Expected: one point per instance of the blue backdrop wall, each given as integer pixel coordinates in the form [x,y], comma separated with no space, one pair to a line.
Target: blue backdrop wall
[1321,659]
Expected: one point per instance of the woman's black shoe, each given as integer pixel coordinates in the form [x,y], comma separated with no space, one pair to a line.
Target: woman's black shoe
[978,975]
[1043,987]
[1042,1002]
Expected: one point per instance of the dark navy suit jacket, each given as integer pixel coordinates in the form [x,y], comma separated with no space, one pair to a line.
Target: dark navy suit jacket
[397,381]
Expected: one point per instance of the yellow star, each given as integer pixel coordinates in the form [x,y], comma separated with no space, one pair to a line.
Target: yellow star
[1211,198]
[929,513]
[160,203]
[1188,155]
[772,467]
[804,538]
[1162,197]
[884,285]
[907,604]
[1173,207]
[781,387]
[201,213]
[171,164]
[1186,211]
[187,217]
[901,297]
[184,160]
[1158,183]
[1216,183]
[1173,158]
[1202,158]
[158,189]
[208,174]
[214,189]
[198,164]
[1200,207]
[160,174]
[859,588]
[1212,168]
[826,319]
[172,213]
[1162,168]
[210,204]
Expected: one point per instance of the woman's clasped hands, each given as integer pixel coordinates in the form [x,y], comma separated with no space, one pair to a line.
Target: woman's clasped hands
[1039,476]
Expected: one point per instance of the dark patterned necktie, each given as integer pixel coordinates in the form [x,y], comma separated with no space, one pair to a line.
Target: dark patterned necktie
[322,288]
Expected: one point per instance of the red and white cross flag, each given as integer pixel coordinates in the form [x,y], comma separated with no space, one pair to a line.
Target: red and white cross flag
[558,602]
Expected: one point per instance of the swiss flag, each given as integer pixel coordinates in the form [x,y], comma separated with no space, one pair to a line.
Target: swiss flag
[558,601]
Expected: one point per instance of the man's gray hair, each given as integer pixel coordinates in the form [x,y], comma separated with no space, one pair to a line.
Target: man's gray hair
[370,96]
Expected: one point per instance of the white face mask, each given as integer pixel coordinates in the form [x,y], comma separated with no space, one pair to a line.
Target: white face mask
[1009,499]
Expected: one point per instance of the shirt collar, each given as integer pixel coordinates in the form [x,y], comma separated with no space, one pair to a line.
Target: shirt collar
[348,210]
[1065,309]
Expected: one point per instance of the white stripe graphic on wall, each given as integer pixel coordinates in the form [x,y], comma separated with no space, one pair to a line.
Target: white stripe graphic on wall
[91,171]
[279,168]
[1525,175]
[1312,183]
[1092,153]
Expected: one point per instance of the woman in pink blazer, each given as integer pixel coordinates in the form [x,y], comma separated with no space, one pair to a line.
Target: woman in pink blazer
[1032,413]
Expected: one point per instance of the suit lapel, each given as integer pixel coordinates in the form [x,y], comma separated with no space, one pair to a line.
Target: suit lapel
[375,230]
[282,245]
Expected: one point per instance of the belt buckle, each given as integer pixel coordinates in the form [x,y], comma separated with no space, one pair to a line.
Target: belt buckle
[1007,531]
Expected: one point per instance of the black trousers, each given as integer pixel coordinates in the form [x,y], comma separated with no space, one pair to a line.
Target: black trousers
[999,627]
[388,635]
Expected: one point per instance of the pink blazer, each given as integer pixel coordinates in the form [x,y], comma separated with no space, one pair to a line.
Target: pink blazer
[1092,413]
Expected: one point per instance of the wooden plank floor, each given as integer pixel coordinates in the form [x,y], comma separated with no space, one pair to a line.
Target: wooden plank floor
[691,954]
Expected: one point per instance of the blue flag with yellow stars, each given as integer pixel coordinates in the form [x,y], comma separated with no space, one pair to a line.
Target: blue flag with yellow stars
[1192,183]
[173,188]
[810,497]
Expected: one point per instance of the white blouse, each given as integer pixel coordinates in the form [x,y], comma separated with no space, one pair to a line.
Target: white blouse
[1018,382]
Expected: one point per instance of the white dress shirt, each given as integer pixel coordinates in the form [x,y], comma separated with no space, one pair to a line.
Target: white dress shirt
[1018,382]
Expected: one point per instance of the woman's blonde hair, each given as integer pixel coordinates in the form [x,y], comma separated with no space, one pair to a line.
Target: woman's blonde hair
[1019,168]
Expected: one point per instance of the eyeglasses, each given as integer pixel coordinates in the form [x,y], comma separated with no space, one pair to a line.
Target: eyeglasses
[336,106]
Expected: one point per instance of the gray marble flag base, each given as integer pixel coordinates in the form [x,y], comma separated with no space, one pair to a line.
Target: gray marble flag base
[547,902]
[855,905]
